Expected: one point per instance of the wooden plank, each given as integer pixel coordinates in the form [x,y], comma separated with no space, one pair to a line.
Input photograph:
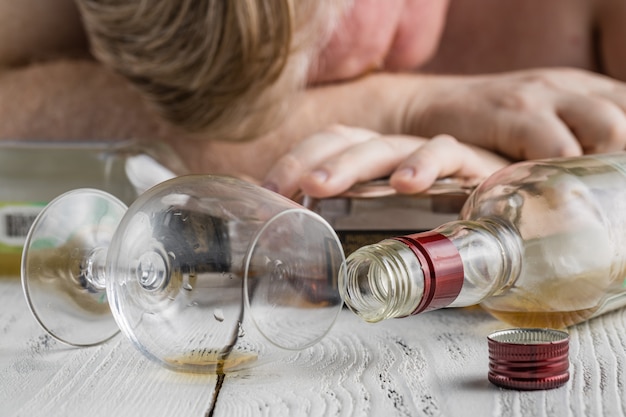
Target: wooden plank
[41,377]
[430,365]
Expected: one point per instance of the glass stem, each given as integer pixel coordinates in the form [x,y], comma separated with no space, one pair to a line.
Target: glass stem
[93,270]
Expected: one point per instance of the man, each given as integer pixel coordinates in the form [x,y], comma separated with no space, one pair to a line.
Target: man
[376,68]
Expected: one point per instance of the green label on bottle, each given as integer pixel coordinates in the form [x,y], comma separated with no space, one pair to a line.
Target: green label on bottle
[15,221]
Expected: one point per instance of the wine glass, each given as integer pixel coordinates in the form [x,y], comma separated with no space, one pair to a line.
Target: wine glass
[200,272]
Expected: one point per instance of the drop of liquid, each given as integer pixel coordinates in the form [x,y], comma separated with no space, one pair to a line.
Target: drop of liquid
[218,314]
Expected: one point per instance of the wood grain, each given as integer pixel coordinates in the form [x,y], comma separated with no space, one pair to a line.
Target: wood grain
[430,365]
[42,377]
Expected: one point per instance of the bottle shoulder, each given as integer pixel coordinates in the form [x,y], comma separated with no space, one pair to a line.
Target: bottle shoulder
[557,186]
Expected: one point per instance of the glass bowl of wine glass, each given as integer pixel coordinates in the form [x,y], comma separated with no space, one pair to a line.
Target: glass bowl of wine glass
[201,273]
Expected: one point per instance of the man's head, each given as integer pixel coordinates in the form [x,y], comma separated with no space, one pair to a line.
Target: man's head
[227,68]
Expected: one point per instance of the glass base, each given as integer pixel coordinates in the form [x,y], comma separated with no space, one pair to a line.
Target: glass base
[63,266]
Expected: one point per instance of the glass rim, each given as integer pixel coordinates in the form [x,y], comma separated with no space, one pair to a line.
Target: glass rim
[248,258]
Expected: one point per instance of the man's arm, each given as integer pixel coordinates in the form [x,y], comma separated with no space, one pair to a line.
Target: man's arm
[72,100]
[50,88]
[81,100]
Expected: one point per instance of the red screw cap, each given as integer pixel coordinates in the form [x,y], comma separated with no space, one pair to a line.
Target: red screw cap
[528,359]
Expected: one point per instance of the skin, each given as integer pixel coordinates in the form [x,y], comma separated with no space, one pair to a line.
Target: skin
[521,113]
[377,104]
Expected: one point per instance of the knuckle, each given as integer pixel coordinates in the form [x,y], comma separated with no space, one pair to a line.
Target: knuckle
[337,129]
[565,150]
[445,140]
[616,134]
[551,77]
[519,98]
[349,133]
[289,163]
[612,132]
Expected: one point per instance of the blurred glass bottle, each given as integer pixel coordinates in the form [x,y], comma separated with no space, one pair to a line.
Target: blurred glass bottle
[32,173]
[539,244]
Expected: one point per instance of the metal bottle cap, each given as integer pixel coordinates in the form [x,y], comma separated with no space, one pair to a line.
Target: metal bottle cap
[528,359]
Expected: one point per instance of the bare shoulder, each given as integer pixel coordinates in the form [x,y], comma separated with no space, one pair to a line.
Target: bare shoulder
[36,30]
[494,35]
[611,28]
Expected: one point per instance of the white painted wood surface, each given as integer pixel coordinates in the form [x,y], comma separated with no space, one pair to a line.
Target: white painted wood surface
[431,365]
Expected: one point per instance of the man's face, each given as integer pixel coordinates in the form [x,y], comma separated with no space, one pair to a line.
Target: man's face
[395,35]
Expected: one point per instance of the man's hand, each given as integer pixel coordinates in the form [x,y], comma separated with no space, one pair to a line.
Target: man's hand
[331,161]
[527,114]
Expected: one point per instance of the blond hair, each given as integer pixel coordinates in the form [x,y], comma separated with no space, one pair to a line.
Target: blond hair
[224,67]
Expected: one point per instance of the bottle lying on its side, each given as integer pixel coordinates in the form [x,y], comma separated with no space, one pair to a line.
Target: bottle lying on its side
[538,244]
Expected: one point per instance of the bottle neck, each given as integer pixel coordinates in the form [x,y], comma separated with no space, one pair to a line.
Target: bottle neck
[460,263]
[442,269]
[381,281]
[491,254]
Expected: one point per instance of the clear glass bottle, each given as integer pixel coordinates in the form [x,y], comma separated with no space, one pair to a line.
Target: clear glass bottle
[538,244]
[32,173]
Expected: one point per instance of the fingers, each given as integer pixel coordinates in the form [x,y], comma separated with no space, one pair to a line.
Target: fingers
[285,175]
[598,124]
[565,125]
[591,106]
[532,114]
[573,125]
[541,135]
[443,156]
[331,162]
[375,158]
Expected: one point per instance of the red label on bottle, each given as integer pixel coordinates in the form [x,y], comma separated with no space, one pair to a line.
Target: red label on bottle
[442,266]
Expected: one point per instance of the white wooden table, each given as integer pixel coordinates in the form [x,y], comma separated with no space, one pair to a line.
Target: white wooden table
[431,365]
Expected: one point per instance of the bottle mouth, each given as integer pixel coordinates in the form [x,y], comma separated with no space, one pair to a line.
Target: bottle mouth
[382,281]
[402,276]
